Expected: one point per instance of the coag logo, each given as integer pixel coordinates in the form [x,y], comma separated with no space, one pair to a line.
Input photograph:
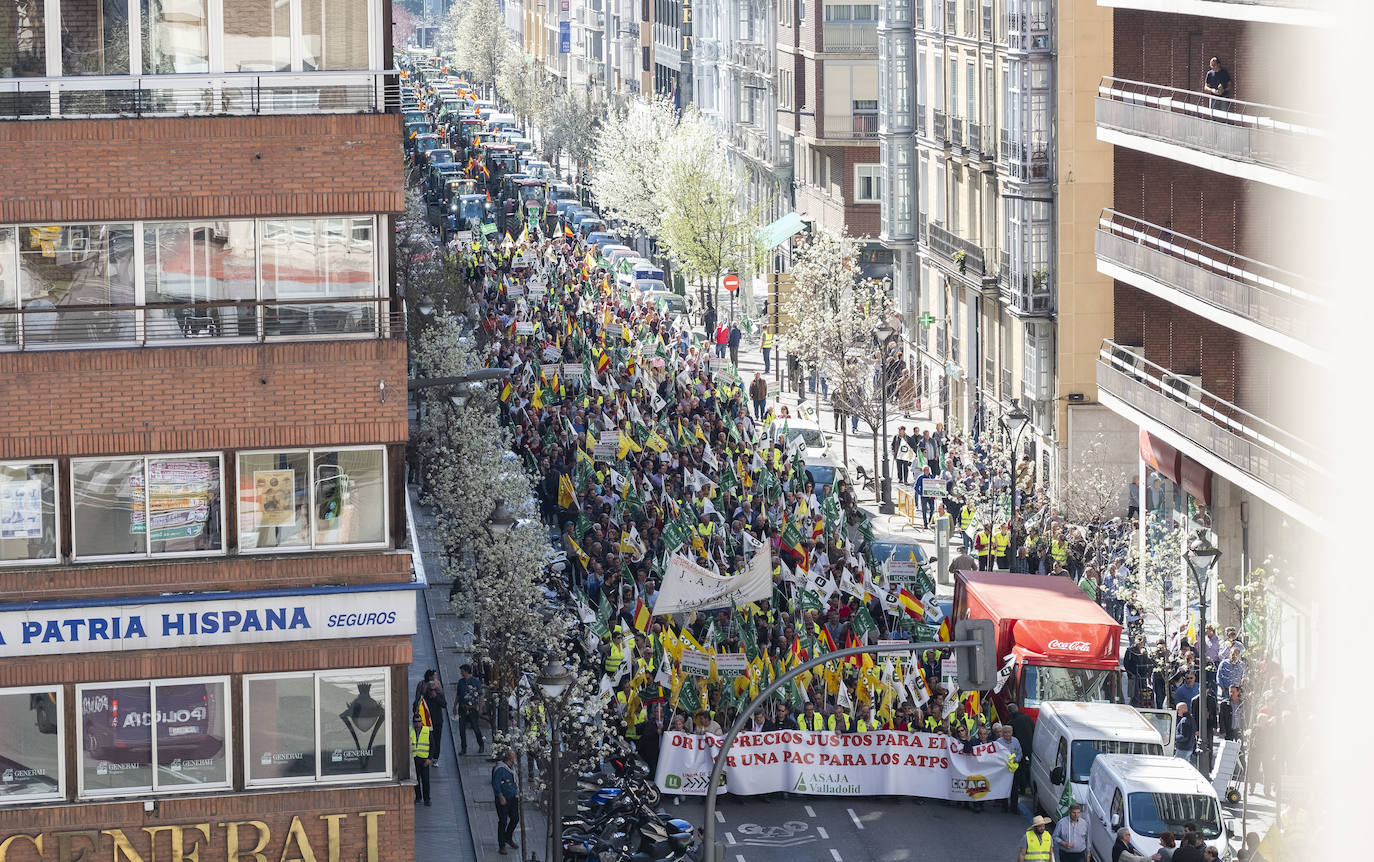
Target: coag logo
[974,786]
[672,781]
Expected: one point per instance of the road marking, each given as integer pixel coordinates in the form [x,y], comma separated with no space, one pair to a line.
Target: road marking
[810,812]
[835,853]
[730,838]
[720,818]
[858,824]
[820,830]
[739,857]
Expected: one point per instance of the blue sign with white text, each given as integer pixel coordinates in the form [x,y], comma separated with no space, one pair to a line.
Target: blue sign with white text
[565,37]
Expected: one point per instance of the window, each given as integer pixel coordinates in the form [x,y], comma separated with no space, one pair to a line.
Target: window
[165,505]
[312,498]
[190,263]
[868,183]
[32,745]
[141,737]
[785,13]
[28,513]
[1085,751]
[321,726]
[76,265]
[23,44]
[177,39]
[95,37]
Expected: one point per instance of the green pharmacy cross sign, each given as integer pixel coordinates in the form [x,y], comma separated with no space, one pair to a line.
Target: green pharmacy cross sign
[926,320]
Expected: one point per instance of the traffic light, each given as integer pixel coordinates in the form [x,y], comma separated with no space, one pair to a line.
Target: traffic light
[977,664]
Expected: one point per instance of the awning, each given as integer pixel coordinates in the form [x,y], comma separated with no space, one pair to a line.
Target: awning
[781,230]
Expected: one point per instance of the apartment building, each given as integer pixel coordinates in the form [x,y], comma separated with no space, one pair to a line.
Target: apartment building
[672,37]
[827,115]
[988,166]
[734,69]
[206,605]
[1215,323]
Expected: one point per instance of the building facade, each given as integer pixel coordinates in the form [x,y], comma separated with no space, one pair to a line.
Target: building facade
[987,172]
[206,603]
[1214,324]
[827,115]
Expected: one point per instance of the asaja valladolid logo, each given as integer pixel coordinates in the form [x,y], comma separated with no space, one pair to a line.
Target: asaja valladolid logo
[975,786]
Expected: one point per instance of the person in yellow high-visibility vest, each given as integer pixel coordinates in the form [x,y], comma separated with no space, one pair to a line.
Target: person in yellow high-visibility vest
[982,548]
[967,515]
[767,349]
[419,750]
[810,719]
[1001,546]
[1059,549]
[1037,846]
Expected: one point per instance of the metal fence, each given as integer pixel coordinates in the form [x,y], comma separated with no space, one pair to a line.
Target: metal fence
[1272,297]
[44,326]
[235,94]
[1246,131]
[1280,460]
[849,37]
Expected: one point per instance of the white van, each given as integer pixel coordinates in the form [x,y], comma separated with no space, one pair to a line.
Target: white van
[1069,736]
[1149,794]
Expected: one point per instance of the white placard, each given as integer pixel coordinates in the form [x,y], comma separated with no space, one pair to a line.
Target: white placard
[213,622]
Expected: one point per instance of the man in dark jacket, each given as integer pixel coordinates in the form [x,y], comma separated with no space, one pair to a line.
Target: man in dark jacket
[708,319]
[1023,729]
[734,339]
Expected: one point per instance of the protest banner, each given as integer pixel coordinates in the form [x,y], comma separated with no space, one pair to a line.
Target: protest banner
[690,587]
[695,663]
[877,763]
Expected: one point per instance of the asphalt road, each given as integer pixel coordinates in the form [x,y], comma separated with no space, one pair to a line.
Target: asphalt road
[850,829]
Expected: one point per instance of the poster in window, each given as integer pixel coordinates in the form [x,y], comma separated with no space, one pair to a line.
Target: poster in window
[276,490]
[178,496]
[21,509]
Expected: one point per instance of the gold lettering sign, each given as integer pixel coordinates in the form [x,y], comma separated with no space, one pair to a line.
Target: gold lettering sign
[225,841]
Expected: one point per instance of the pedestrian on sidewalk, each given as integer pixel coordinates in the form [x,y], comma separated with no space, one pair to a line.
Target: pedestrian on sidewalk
[467,708]
[435,706]
[507,791]
[767,350]
[758,393]
[904,452]
[1071,836]
[420,753]
[733,339]
[722,339]
[927,503]
[708,317]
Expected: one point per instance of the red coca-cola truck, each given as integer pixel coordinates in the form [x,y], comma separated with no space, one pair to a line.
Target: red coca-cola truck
[1066,647]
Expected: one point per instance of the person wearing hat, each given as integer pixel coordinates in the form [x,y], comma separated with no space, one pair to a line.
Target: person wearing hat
[1037,846]
[419,750]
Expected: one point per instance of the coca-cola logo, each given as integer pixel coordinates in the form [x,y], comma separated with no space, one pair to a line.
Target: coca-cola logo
[1070,646]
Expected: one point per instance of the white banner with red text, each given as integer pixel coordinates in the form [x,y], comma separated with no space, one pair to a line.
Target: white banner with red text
[877,763]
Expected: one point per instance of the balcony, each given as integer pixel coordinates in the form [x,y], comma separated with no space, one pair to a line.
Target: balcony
[975,138]
[1264,143]
[921,120]
[1223,437]
[239,94]
[1306,13]
[963,256]
[849,37]
[940,130]
[1023,162]
[1259,300]
[43,326]
[1029,32]
[956,131]
[865,125]
[1026,294]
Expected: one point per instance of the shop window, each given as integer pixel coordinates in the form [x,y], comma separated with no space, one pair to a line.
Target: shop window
[144,737]
[28,512]
[166,505]
[321,726]
[306,499]
[32,743]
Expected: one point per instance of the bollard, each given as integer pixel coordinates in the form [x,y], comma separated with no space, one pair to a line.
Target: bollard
[942,572]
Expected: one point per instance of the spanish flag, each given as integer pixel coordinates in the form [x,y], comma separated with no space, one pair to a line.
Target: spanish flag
[602,361]
[642,616]
[911,604]
[567,231]
[943,633]
[827,641]
[505,396]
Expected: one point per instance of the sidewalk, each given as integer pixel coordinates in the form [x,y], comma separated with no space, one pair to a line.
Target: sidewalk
[461,824]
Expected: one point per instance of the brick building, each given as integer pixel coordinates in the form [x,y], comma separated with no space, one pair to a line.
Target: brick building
[205,599]
[1213,318]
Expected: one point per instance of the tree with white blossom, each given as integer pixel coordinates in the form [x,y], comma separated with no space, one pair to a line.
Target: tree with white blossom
[626,174]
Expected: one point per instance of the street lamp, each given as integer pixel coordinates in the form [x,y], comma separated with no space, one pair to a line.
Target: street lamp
[1202,559]
[554,680]
[884,332]
[1014,422]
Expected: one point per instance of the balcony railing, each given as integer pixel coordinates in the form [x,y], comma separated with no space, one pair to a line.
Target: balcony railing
[921,120]
[233,93]
[1245,131]
[950,246]
[951,16]
[940,132]
[1258,448]
[865,125]
[1272,297]
[43,326]
[1027,294]
[849,37]
[975,138]
[956,131]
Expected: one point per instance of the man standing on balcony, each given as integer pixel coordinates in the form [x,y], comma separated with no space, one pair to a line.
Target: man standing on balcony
[1218,83]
